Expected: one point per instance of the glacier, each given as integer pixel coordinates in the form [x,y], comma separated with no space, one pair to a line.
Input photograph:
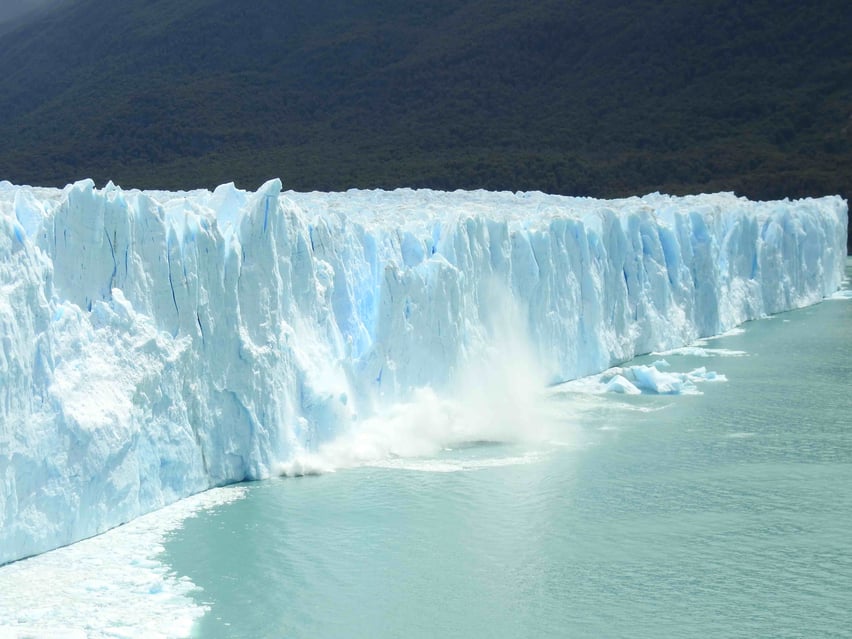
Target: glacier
[156,344]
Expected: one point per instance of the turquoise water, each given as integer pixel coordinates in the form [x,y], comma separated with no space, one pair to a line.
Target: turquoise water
[727,514]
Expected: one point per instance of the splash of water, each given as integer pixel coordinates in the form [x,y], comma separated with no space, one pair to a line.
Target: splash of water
[498,395]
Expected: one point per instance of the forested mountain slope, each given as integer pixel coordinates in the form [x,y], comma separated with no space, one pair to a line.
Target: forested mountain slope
[600,98]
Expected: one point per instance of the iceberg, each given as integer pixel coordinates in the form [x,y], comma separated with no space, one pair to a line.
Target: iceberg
[643,379]
[156,344]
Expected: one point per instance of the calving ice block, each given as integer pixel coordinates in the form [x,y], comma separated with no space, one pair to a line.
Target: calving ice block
[155,344]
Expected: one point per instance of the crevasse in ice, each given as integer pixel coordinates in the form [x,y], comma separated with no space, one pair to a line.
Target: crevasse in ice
[155,344]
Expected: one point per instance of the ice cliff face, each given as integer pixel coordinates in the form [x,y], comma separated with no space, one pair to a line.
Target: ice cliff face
[155,344]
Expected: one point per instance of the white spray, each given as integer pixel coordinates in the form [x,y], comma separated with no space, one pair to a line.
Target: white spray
[497,395]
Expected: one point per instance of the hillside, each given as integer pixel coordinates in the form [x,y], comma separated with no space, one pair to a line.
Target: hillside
[588,98]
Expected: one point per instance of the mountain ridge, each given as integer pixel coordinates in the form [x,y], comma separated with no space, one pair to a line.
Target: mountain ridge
[579,98]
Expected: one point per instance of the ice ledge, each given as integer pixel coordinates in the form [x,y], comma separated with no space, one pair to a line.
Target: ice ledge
[155,344]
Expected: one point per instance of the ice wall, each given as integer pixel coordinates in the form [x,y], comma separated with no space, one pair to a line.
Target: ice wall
[155,344]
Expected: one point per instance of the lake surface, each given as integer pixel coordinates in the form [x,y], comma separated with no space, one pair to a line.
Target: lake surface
[724,514]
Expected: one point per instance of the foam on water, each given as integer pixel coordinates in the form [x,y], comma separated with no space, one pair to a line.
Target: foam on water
[109,586]
[842,295]
[700,351]
[737,330]
[455,465]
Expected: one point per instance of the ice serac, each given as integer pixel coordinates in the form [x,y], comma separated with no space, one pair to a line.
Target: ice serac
[155,344]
